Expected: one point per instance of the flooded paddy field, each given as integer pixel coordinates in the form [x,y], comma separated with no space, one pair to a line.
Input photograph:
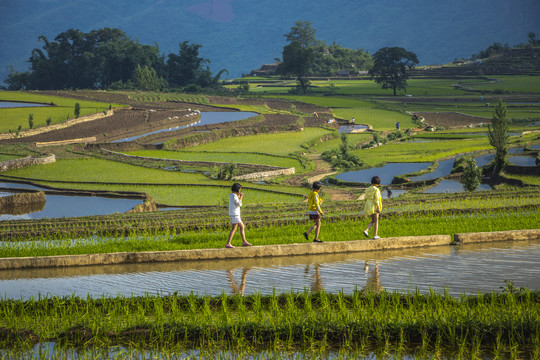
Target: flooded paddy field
[459,269]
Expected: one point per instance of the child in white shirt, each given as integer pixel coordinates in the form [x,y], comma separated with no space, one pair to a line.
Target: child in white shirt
[235,202]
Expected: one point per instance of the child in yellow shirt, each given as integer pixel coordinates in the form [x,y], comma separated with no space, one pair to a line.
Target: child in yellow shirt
[314,210]
[373,205]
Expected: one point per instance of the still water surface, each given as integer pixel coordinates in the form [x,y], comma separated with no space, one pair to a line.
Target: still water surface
[386,172]
[207,118]
[7,104]
[57,206]
[452,186]
[459,269]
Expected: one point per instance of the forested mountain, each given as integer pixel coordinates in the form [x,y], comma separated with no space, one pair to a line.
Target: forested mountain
[240,35]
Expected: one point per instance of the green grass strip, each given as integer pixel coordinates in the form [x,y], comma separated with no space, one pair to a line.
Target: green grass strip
[161,235]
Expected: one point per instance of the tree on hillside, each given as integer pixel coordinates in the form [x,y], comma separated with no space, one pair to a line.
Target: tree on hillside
[186,67]
[297,61]
[303,33]
[306,55]
[532,41]
[498,136]
[146,79]
[390,65]
[109,58]
[330,59]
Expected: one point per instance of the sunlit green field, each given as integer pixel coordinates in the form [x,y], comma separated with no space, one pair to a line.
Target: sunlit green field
[527,179]
[333,144]
[224,157]
[364,112]
[12,118]
[275,144]
[166,187]
[422,151]
[213,194]
[498,84]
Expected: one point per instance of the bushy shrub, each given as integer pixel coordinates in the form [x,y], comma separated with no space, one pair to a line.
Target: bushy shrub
[472,174]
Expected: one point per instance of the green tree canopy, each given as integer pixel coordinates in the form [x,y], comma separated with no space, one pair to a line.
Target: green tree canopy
[101,58]
[330,59]
[297,61]
[303,33]
[147,79]
[186,67]
[305,56]
[390,65]
[498,136]
[472,174]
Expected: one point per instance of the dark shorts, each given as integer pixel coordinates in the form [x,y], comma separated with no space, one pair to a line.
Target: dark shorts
[314,216]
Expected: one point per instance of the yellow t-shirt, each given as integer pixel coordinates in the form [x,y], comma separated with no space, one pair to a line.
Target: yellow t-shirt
[373,200]
[314,202]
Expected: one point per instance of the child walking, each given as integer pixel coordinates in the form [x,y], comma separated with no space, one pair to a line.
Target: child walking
[235,202]
[373,205]
[314,211]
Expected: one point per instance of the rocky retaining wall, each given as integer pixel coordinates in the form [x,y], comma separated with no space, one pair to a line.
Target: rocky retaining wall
[27,161]
[63,125]
[528,234]
[265,174]
[65,142]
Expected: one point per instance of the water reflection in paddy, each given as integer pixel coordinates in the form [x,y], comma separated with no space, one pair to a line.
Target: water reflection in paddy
[443,169]
[7,104]
[522,160]
[386,172]
[461,269]
[207,118]
[345,129]
[452,186]
[57,206]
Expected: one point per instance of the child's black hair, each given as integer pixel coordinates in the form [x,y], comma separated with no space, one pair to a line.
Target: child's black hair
[236,187]
[317,185]
[375,180]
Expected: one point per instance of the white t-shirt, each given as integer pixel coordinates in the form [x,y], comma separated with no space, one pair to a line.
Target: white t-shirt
[234,205]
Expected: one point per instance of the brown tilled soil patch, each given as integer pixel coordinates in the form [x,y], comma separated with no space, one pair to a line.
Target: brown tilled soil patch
[451,119]
[278,120]
[124,121]
[146,117]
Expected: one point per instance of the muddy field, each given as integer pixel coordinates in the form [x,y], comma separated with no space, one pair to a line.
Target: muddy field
[448,119]
[144,117]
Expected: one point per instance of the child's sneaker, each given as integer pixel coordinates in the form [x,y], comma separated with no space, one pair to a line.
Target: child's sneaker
[365,233]
[306,236]
[317,240]
[376,237]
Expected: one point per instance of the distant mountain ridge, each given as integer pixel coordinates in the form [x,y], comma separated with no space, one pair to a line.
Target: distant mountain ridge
[241,35]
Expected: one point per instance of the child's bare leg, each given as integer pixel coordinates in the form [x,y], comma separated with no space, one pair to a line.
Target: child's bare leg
[317,228]
[370,224]
[243,234]
[312,228]
[233,230]
[375,221]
